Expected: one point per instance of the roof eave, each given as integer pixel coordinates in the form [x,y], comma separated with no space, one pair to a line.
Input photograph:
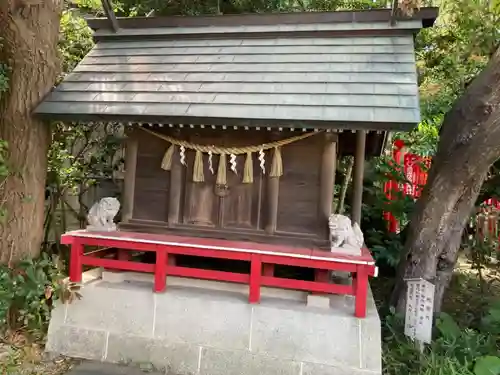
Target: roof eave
[226,122]
[427,15]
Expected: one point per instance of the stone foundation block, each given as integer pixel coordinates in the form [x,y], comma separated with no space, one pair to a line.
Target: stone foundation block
[231,362]
[172,358]
[221,321]
[114,276]
[77,342]
[321,301]
[319,369]
[309,336]
[196,331]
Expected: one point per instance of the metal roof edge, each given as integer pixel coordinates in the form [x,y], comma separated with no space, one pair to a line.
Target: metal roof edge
[427,15]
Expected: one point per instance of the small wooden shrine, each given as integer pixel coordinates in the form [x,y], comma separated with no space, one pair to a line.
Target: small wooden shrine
[235,123]
[234,127]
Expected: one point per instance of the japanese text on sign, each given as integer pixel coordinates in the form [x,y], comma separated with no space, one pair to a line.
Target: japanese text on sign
[419,309]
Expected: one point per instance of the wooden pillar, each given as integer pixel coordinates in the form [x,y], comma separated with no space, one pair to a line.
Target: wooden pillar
[129,181]
[273,187]
[358,174]
[327,180]
[175,195]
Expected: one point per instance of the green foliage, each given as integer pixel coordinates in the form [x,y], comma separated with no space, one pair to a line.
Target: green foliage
[454,350]
[4,78]
[93,6]
[491,321]
[453,52]
[197,7]
[424,139]
[76,39]
[29,290]
[386,247]
[487,365]
[80,153]
[449,56]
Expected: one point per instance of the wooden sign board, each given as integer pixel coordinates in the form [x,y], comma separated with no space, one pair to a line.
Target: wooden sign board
[419,310]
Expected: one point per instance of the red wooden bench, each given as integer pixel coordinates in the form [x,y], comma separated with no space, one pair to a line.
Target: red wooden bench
[262,259]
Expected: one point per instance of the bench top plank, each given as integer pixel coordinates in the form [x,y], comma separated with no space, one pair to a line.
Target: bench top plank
[225,245]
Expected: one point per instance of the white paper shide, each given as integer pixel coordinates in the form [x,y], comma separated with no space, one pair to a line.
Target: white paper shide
[345,237]
[102,214]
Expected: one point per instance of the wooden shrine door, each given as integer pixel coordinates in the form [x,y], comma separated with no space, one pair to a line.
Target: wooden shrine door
[235,205]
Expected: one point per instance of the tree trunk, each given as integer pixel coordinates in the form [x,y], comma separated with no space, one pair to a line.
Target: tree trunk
[30,32]
[468,146]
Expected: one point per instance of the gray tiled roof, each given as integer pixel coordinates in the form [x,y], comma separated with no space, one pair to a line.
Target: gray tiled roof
[352,82]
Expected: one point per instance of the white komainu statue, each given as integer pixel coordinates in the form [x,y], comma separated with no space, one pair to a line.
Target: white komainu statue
[102,213]
[344,235]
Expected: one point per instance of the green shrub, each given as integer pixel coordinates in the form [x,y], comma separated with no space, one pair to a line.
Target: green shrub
[28,292]
[454,350]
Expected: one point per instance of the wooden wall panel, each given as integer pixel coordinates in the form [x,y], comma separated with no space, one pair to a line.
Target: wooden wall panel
[299,186]
[151,205]
[243,206]
[152,183]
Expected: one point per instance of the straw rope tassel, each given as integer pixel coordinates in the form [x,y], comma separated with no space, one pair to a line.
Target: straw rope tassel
[276,164]
[221,171]
[198,175]
[166,163]
[248,169]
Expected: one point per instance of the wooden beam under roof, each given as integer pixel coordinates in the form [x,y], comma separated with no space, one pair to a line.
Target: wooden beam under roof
[394,12]
[110,14]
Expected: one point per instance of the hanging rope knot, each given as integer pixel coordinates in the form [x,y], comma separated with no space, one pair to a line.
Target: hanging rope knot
[276,164]
[221,171]
[198,171]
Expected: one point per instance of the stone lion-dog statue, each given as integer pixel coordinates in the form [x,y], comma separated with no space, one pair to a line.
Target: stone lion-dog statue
[102,214]
[345,235]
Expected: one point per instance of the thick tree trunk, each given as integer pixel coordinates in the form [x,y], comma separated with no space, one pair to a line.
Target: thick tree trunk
[30,32]
[468,146]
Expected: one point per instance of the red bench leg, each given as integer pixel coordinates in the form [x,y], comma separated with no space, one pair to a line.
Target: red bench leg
[268,270]
[161,270]
[123,255]
[361,291]
[321,276]
[171,260]
[255,275]
[75,265]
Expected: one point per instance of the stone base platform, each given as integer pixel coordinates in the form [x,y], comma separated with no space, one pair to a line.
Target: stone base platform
[208,328]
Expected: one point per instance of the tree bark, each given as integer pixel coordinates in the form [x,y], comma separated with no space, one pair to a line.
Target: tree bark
[468,146]
[30,32]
